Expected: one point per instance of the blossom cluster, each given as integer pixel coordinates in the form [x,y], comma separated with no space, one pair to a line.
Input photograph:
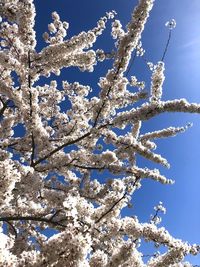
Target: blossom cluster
[55,210]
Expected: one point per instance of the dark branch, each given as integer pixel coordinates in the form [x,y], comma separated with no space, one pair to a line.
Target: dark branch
[5,105]
[67,144]
[131,64]
[12,227]
[111,208]
[167,44]
[8,219]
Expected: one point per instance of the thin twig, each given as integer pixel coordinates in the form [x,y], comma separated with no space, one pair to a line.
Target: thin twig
[167,44]
[131,64]
[12,227]
[111,208]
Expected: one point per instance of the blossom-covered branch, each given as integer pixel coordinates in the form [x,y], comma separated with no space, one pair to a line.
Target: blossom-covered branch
[69,151]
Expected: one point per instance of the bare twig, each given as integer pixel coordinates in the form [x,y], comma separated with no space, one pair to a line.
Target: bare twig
[167,44]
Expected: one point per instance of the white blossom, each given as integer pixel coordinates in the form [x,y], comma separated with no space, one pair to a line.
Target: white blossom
[56,208]
[171,24]
[157,81]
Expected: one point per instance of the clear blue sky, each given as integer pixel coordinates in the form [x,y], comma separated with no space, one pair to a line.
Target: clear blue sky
[182,200]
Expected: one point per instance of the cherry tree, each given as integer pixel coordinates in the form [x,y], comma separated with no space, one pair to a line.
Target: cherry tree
[49,180]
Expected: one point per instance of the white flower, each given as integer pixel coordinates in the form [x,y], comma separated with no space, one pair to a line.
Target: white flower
[52,27]
[49,173]
[109,156]
[45,36]
[55,16]
[171,24]
[65,25]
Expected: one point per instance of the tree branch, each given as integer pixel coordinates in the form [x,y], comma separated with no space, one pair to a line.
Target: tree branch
[7,219]
[5,105]
[111,208]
